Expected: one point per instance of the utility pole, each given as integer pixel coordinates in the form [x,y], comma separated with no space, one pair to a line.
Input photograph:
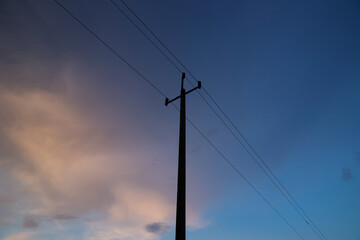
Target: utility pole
[181,182]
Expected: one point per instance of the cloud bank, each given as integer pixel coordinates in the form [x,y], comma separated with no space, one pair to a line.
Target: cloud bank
[71,172]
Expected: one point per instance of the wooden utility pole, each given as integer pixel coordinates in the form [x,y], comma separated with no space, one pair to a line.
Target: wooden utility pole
[181,182]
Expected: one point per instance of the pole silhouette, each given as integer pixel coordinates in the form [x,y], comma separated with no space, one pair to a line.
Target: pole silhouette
[180,231]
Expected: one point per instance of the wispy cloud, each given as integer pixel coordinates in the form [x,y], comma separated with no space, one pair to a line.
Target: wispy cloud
[157,227]
[63,217]
[30,222]
[34,221]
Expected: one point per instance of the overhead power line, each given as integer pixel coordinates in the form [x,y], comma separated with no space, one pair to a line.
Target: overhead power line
[238,172]
[110,48]
[268,172]
[146,36]
[196,128]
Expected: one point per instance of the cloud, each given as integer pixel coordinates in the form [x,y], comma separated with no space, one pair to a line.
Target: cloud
[33,221]
[73,172]
[108,231]
[30,222]
[20,236]
[64,165]
[157,227]
[63,217]
[346,174]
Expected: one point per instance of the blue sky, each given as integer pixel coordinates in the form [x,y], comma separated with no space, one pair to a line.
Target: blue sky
[89,151]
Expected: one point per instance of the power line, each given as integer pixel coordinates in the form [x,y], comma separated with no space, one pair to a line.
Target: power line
[321,236]
[278,185]
[242,175]
[198,130]
[110,48]
[147,37]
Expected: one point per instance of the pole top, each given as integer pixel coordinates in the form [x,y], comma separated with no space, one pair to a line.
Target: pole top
[183,92]
[182,80]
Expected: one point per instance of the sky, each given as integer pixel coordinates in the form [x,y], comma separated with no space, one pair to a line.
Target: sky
[88,150]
